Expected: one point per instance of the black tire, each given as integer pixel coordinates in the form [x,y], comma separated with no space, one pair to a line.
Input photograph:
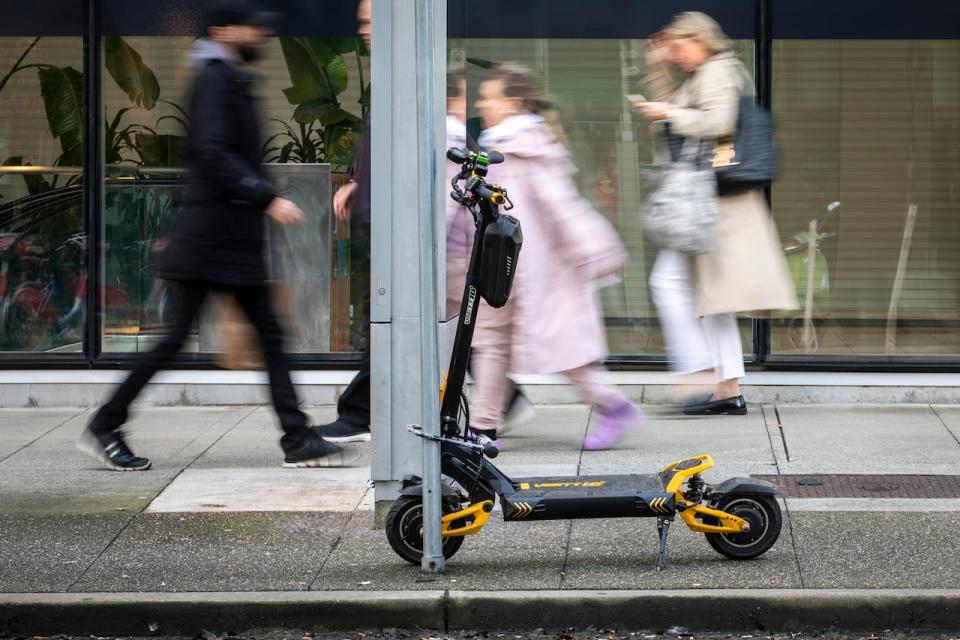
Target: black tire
[404,530]
[765,518]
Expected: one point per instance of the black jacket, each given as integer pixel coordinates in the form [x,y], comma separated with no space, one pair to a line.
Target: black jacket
[218,234]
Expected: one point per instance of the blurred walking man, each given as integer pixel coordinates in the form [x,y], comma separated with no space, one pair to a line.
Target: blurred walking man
[217,242]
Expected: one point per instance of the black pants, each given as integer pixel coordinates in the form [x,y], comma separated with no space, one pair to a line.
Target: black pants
[256,304]
[354,403]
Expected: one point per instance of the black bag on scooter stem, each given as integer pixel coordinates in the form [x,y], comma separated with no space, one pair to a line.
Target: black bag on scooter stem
[498,262]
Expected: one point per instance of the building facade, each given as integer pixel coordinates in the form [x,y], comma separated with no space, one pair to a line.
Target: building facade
[866,98]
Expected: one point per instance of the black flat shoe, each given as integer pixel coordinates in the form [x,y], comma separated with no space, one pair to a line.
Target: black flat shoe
[693,400]
[736,406]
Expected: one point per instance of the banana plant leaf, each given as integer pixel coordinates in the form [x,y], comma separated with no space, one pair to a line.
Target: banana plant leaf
[324,112]
[316,69]
[128,70]
[62,91]
[337,73]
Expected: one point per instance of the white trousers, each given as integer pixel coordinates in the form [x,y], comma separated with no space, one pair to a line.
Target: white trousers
[694,343]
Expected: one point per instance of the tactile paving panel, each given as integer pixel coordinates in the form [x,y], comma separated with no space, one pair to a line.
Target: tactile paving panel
[865,486]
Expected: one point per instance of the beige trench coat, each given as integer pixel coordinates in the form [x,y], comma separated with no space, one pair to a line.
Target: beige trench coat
[747,272]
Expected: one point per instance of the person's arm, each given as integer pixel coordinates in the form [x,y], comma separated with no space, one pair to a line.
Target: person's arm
[585,238]
[659,83]
[216,159]
[717,107]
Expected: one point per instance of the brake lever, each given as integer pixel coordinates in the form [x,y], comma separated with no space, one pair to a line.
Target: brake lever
[482,444]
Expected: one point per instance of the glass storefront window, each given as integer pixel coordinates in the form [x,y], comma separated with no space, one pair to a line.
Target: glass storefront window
[868,132]
[313,95]
[870,138]
[587,80]
[42,244]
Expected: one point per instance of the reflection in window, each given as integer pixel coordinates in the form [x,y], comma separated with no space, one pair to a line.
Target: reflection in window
[314,94]
[588,79]
[42,245]
[870,138]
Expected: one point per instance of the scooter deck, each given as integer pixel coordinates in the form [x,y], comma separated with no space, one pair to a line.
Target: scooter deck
[571,498]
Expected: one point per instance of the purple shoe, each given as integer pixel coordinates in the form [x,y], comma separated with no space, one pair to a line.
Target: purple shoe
[614,425]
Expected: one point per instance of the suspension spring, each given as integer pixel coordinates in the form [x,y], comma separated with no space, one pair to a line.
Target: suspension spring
[694,491]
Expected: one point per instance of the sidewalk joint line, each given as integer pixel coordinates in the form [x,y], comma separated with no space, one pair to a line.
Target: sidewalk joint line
[943,422]
[445,607]
[323,565]
[42,435]
[566,548]
[162,489]
[336,543]
[199,455]
[86,569]
[213,426]
[586,430]
[566,555]
[788,515]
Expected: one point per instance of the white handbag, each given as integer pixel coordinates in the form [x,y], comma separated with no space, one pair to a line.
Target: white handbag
[682,211]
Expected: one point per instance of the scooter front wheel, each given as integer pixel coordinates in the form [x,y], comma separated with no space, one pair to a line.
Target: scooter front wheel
[405,530]
[765,518]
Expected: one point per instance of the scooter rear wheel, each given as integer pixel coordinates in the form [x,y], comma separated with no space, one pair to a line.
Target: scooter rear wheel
[405,530]
[765,518]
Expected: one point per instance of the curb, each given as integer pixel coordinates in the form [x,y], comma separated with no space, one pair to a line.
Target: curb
[145,614]
[721,610]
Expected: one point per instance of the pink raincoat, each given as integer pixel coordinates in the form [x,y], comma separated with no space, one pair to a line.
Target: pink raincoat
[554,314]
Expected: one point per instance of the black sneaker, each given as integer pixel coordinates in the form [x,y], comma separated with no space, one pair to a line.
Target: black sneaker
[112,451]
[341,431]
[314,452]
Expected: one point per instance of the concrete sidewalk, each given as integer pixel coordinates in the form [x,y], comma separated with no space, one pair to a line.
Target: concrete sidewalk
[217,514]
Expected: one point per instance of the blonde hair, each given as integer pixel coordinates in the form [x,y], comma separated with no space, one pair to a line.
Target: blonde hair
[520,82]
[694,25]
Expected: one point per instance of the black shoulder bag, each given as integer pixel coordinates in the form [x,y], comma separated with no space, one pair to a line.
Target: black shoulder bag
[748,159]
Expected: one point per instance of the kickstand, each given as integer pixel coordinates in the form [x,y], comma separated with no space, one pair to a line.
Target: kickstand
[663,528]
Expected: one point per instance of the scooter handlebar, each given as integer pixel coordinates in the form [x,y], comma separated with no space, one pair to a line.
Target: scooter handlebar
[460,155]
[489,449]
[457,155]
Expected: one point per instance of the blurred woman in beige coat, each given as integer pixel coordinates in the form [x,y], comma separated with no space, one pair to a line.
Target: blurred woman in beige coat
[699,297]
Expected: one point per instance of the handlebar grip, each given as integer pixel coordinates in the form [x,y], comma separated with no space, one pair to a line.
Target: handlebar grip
[489,449]
[495,157]
[458,155]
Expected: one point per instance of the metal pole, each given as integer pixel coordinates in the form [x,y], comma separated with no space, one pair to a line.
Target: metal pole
[432,561]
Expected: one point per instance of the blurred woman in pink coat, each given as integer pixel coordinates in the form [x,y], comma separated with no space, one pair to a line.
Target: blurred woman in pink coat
[552,323]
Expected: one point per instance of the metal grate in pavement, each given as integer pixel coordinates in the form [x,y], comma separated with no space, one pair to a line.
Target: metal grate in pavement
[865,486]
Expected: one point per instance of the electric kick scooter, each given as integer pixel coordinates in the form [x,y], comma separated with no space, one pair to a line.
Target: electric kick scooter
[740,517]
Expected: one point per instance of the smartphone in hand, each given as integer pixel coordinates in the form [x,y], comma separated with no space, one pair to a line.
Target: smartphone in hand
[636,98]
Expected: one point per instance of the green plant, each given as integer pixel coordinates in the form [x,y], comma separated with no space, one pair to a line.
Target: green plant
[62,91]
[318,71]
[148,147]
[305,146]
